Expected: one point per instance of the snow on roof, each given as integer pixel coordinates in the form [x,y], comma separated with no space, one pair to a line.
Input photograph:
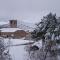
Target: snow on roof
[9,29]
[3,23]
[14,29]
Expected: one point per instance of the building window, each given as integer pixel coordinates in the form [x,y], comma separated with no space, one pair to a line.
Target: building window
[11,22]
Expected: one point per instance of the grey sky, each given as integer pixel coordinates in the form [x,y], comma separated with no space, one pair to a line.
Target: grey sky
[28,10]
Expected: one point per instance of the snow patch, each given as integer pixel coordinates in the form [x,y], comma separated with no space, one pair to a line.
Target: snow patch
[39,44]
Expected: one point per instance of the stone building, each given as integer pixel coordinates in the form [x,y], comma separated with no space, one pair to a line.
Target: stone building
[13,32]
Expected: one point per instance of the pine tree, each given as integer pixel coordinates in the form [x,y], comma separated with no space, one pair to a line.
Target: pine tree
[47,24]
[45,30]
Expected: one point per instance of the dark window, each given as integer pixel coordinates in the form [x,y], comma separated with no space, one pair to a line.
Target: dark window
[11,22]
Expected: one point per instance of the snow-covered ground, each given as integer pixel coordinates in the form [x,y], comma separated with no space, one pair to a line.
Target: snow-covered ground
[17,41]
[17,52]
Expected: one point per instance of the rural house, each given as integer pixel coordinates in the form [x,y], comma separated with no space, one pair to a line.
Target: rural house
[13,31]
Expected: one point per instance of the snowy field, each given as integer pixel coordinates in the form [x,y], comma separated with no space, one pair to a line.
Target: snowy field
[17,52]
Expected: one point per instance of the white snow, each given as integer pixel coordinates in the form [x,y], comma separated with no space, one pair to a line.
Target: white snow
[58,46]
[17,41]
[14,29]
[48,33]
[58,57]
[53,36]
[56,29]
[39,44]
[9,29]
[3,22]
[57,37]
[18,52]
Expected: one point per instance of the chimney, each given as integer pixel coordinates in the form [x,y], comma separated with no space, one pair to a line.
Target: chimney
[13,23]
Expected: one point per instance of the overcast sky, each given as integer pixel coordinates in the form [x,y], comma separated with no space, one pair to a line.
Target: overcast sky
[28,10]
